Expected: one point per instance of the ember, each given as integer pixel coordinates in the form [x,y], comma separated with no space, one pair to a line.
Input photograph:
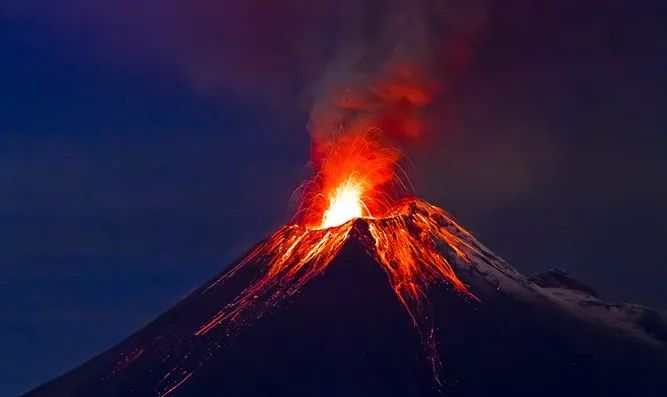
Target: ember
[357,176]
[405,238]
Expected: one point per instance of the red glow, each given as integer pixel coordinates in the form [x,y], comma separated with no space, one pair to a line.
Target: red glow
[358,177]
[406,238]
[404,242]
[354,180]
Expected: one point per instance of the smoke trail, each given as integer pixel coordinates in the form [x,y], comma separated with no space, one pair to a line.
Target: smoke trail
[390,65]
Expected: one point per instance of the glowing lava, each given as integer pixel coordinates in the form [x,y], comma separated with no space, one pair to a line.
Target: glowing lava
[414,242]
[354,178]
[344,204]
[357,177]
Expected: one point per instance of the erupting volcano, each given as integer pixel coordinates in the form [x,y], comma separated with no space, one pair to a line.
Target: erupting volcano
[403,236]
[307,311]
[404,239]
[369,290]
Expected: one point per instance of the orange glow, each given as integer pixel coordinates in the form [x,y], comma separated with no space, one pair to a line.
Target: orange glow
[409,241]
[291,257]
[344,204]
[358,177]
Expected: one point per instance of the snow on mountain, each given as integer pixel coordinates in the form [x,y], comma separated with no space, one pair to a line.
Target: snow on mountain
[643,322]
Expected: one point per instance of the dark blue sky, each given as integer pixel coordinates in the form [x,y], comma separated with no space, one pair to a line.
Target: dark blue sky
[143,148]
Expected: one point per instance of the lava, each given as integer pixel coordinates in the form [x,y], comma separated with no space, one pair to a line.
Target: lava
[413,241]
[292,256]
[358,179]
[344,204]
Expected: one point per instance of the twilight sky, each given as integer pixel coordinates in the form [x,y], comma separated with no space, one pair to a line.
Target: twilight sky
[145,144]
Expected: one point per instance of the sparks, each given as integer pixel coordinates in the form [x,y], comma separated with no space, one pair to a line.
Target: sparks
[355,179]
[405,236]
[357,176]
[358,191]
[344,204]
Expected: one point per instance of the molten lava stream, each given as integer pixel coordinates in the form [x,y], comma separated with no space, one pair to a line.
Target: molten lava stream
[405,243]
[405,240]
[292,256]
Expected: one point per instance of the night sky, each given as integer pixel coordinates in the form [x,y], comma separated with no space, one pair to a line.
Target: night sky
[146,144]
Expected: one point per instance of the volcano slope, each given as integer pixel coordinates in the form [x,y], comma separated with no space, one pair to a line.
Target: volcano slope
[346,332]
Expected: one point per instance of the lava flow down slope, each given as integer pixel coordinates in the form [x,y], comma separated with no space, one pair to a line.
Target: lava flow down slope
[372,293]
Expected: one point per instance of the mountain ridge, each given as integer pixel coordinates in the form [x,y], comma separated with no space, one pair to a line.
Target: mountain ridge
[345,333]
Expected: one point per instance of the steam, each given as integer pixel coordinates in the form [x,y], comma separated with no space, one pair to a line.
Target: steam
[354,65]
[390,66]
[378,95]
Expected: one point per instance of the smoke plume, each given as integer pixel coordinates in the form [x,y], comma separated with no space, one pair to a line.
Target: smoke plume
[389,70]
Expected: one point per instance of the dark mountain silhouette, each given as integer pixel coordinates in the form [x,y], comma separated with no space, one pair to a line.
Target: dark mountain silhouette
[345,333]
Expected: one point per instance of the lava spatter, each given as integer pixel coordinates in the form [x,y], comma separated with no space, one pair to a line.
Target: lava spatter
[406,243]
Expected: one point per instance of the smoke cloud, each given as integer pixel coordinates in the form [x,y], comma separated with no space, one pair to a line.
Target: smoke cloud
[389,69]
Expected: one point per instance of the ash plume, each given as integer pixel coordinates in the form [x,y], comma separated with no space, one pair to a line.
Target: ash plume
[389,68]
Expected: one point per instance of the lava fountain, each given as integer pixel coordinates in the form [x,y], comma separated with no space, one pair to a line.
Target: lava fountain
[358,178]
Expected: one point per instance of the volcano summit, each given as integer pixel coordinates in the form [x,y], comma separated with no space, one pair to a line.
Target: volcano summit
[409,304]
[371,291]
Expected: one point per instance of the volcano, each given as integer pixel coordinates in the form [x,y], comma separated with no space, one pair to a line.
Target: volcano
[409,304]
